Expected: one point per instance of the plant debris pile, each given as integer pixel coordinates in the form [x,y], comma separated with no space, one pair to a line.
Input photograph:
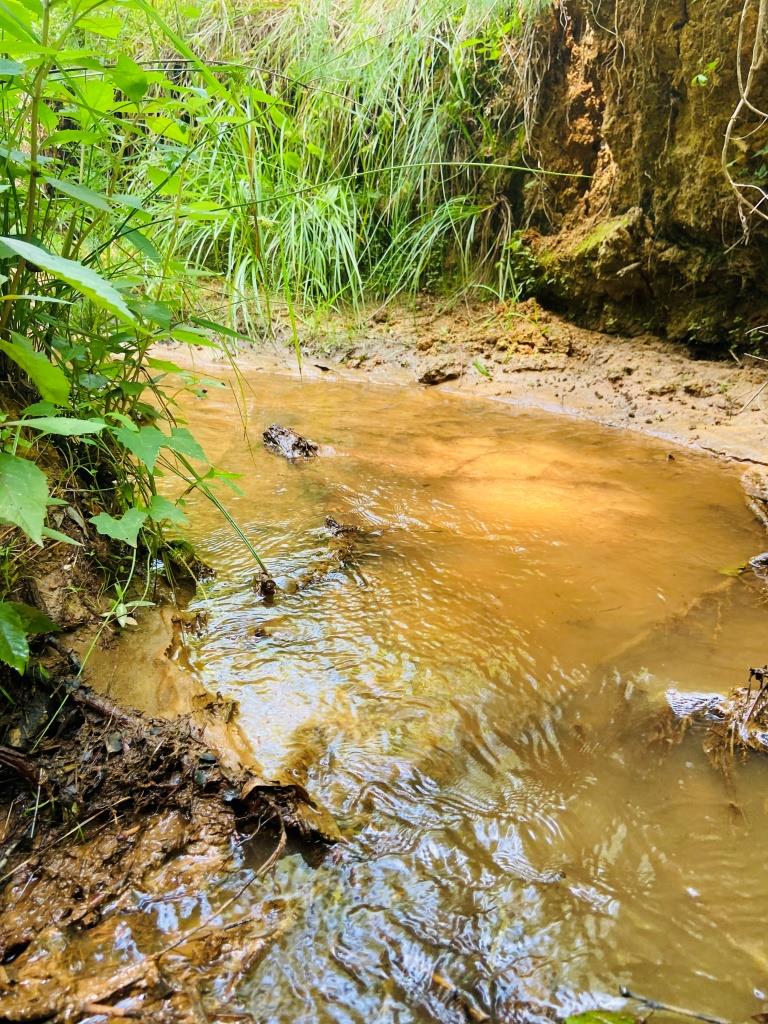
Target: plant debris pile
[107,806]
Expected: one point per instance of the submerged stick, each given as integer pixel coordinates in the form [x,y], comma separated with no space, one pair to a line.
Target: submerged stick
[654,1004]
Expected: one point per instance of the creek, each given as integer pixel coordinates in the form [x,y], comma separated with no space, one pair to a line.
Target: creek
[474,693]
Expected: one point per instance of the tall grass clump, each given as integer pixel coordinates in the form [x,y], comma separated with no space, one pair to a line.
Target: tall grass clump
[352,155]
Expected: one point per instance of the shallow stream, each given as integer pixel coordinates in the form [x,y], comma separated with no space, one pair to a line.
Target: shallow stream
[473,696]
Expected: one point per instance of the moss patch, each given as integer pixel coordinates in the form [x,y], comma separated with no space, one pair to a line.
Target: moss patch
[599,233]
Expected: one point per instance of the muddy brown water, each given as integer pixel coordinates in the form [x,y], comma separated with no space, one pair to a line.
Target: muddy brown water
[473,697]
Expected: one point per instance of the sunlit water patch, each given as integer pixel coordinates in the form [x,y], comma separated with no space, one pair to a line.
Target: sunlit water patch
[472,693]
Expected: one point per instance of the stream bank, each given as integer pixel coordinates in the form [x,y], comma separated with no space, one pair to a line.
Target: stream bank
[531,357]
[633,101]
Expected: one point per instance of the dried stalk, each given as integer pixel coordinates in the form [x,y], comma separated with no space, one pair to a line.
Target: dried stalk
[749,206]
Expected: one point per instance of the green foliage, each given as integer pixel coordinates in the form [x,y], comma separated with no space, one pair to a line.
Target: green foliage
[14,648]
[18,622]
[600,1017]
[87,285]
[707,75]
[346,152]
[23,495]
[71,272]
[126,528]
[50,380]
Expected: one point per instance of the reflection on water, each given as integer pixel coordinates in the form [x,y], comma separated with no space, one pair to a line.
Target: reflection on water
[471,694]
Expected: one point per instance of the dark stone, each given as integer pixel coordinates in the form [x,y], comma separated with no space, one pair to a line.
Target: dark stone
[286,442]
[439,374]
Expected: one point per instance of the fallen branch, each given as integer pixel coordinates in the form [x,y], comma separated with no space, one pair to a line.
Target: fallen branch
[103,706]
[23,765]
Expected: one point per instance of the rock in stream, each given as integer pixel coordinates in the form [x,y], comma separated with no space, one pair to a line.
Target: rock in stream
[286,442]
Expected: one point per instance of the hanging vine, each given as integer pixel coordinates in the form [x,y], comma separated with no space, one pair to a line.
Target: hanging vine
[748,117]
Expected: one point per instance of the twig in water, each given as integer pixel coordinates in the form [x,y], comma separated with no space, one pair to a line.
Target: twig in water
[654,1004]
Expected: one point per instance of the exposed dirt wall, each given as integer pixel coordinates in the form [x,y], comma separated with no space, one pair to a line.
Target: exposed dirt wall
[636,97]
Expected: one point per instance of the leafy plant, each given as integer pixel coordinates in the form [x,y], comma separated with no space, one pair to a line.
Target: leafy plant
[82,282]
[707,75]
[18,622]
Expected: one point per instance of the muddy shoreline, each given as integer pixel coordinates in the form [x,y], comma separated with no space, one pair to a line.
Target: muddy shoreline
[531,358]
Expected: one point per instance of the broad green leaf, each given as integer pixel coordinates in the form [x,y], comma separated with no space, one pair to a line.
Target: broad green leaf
[282,120]
[183,443]
[211,325]
[50,380]
[82,278]
[63,426]
[162,510]
[126,528]
[14,649]
[164,365]
[259,96]
[32,619]
[126,421]
[192,336]
[66,135]
[163,183]
[106,25]
[167,128]
[15,24]
[158,312]
[14,156]
[145,443]
[132,388]
[23,495]
[97,97]
[82,193]
[125,199]
[129,78]
[39,409]
[62,538]
[33,6]
[48,118]
[143,244]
